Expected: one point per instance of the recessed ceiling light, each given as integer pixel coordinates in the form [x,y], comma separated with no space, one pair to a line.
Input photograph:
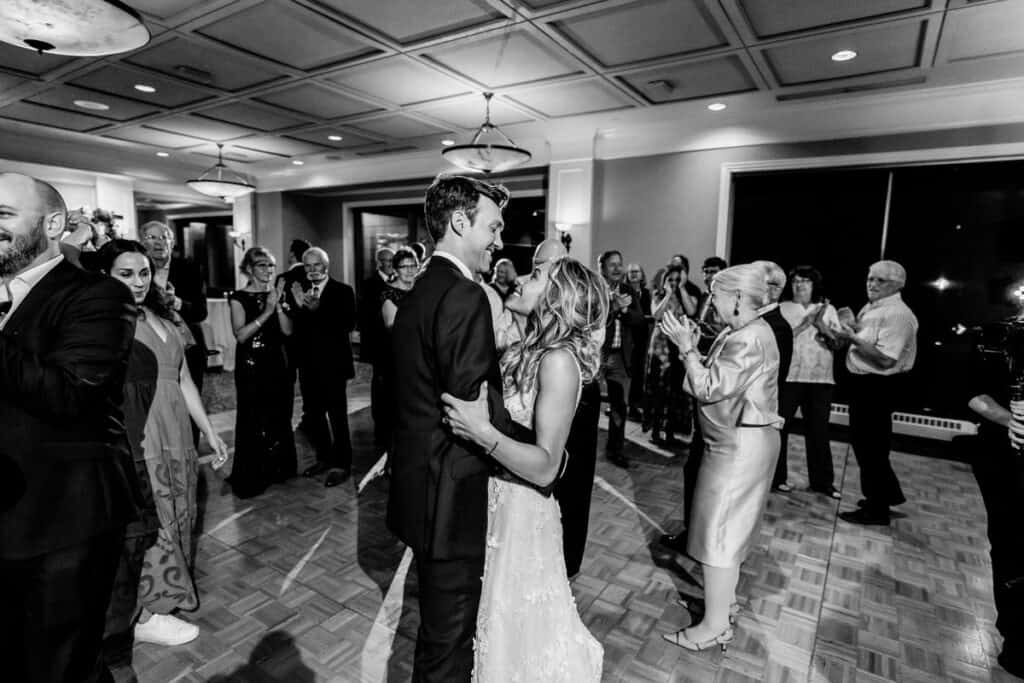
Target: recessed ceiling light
[142,87]
[334,138]
[162,154]
[89,104]
[844,56]
[716,106]
[298,162]
[447,143]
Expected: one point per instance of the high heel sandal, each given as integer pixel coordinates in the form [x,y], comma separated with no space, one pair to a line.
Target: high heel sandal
[680,638]
[734,609]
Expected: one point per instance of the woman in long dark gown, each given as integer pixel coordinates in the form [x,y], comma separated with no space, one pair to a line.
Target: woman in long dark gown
[264,442]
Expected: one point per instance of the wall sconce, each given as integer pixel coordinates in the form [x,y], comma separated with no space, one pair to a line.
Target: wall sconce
[564,230]
[237,238]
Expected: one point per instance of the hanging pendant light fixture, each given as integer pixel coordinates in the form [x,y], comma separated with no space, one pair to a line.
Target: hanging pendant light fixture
[77,28]
[489,157]
[220,181]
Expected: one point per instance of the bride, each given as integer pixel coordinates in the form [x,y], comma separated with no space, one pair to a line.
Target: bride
[528,628]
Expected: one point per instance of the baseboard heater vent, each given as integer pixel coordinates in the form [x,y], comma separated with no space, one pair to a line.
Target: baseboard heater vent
[912,424]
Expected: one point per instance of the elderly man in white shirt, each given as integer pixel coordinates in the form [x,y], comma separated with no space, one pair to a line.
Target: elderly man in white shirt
[883,347]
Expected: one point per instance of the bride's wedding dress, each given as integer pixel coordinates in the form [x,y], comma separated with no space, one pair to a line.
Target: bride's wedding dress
[528,628]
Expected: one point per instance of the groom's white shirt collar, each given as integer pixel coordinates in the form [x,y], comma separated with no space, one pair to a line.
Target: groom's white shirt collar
[458,263]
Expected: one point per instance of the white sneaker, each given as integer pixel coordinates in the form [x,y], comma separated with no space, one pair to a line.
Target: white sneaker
[164,629]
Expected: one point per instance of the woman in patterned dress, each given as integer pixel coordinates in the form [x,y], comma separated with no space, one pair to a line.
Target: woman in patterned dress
[171,462]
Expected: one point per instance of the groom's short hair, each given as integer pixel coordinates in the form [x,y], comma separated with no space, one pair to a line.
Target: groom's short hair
[451,193]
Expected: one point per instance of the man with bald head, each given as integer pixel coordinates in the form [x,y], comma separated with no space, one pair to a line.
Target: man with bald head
[65,496]
[883,347]
[324,318]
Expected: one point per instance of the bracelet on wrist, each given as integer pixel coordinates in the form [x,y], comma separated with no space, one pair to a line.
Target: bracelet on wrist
[493,448]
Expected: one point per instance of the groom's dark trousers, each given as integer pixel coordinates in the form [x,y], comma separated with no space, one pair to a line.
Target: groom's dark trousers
[574,489]
[443,341]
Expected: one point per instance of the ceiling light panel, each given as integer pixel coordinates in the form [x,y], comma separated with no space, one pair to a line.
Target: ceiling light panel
[985,31]
[197,126]
[300,38]
[399,127]
[524,59]
[886,47]
[317,101]
[48,116]
[120,109]
[118,80]
[319,137]
[165,8]
[767,20]
[284,147]
[464,112]
[567,99]
[155,138]
[204,64]
[692,80]
[634,32]
[405,21]
[253,116]
[399,80]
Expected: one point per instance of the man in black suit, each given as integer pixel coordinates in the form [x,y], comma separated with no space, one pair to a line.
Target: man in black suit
[372,344]
[324,318]
[65,496]
[295,273]
[183,282]
[443,341]
[624,316]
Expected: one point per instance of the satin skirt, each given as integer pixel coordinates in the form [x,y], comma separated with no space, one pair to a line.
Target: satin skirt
[732,491]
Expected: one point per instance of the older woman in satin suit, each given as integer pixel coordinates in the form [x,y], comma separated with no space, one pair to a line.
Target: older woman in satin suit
[736,387]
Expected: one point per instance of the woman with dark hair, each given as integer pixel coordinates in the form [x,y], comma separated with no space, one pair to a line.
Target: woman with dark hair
[157,412]
[667,409]
[809,383]
[264,441]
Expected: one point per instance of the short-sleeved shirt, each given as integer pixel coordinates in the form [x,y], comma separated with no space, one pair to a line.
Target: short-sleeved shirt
[891,326]
[812,360]
[990,375]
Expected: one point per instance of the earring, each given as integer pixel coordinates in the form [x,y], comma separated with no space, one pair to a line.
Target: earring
[736,310]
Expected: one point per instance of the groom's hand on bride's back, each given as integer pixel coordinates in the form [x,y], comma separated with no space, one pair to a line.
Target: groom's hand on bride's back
[470,420]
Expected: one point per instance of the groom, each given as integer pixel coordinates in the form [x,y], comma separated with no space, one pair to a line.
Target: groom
[443,341]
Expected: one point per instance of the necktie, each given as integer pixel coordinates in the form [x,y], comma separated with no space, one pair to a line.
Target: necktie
[5,306]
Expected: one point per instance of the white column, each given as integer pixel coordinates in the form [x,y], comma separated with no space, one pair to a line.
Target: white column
[570,201]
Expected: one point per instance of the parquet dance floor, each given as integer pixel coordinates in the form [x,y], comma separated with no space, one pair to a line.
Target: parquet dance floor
[306,584]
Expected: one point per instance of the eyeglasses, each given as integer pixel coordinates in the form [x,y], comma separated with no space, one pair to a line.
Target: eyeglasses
[879,280]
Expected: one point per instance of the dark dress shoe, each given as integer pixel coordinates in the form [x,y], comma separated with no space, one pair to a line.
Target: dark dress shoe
[866,516]
[315,469]
[336,476]
[675,542]
[618,460]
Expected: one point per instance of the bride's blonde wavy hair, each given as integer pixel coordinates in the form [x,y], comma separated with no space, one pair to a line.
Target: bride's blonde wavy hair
[571,312]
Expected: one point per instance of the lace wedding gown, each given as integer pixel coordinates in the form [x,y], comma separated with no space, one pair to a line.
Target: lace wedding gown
[528,628]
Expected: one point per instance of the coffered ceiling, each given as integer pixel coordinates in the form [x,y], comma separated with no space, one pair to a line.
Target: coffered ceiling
[321,81]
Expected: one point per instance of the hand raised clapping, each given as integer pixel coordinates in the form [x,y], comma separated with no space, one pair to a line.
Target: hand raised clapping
[683,333]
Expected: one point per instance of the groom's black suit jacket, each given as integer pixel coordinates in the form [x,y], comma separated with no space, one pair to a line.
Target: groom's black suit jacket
[64,458]
[442,341]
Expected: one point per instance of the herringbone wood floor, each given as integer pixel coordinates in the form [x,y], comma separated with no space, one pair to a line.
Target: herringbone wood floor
[306,584]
